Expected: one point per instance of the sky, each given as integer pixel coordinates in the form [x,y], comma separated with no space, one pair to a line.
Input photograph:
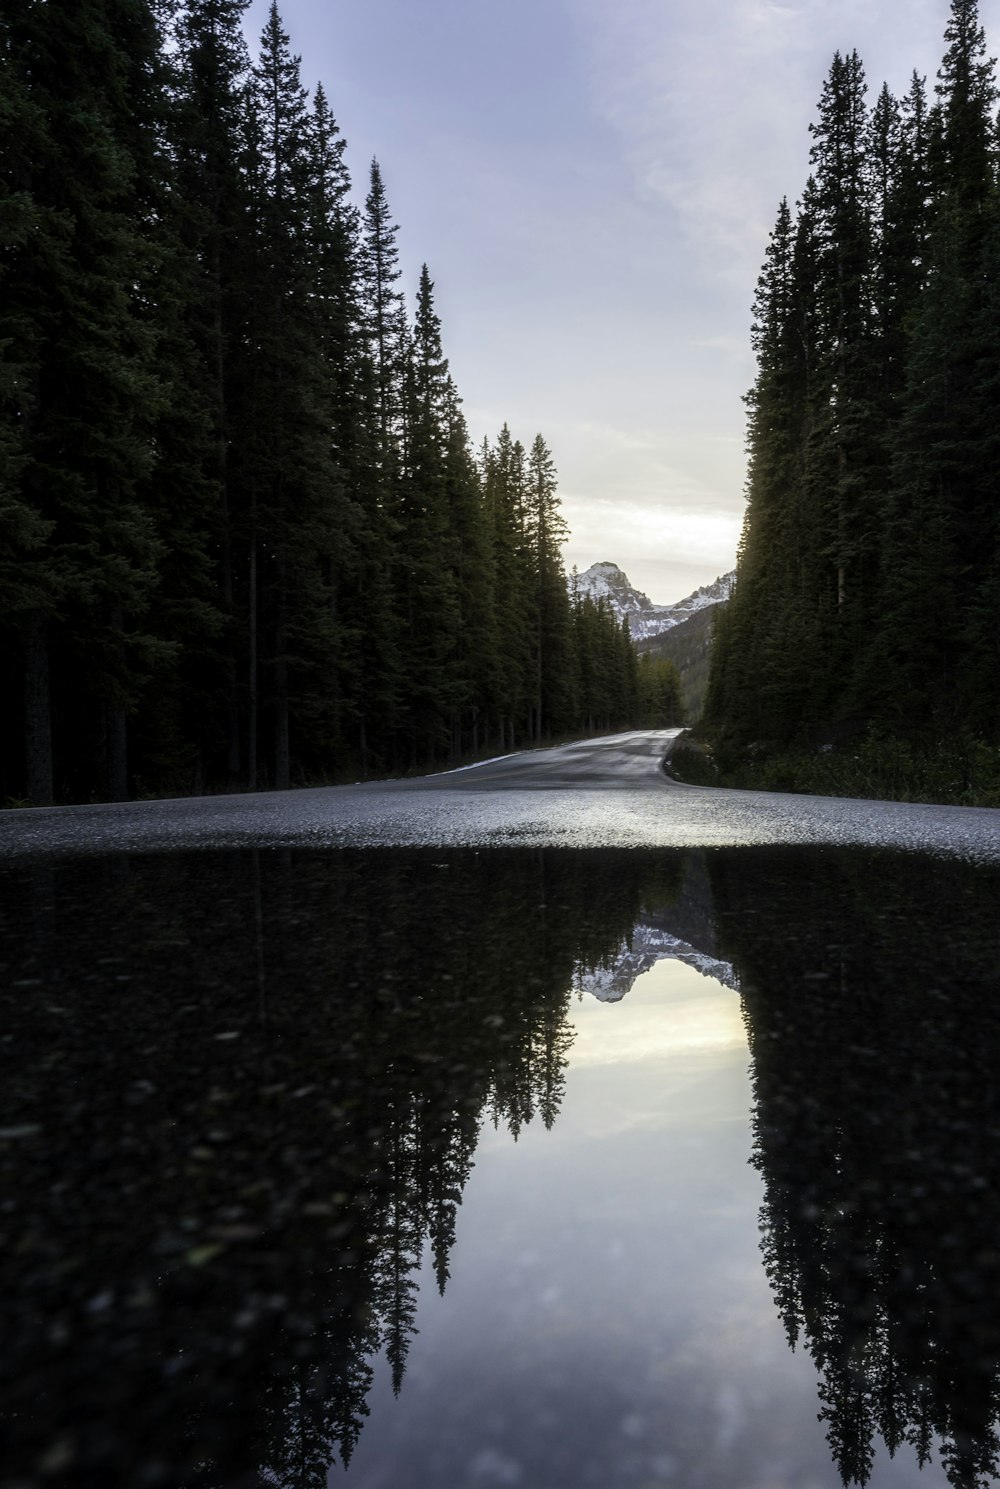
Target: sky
[591,184]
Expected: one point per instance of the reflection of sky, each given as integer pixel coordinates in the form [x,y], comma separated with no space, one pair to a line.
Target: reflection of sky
[608,1321]
[698,1019]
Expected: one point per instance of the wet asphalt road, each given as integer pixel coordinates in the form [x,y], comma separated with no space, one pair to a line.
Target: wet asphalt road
[609,792]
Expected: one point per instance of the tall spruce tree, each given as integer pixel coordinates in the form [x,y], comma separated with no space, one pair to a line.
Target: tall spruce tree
[427,588]
[385,315]
[501,475]
[213,66]
[843,459]
[86,84]
[293,495]
[362,676]
[27,573]
[545,532]
[768,645]
[478,661]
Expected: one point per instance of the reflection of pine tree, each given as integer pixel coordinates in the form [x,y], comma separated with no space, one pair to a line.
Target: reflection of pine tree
[874,1032]
[302,1457]
[447,1179]
[400,1244]
[554,1051]
[847,1408]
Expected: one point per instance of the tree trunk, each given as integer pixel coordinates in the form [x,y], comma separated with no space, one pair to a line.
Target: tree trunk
[234,761]
[37,713]
[115,723]
[252,668]
[116,752]
[282,751]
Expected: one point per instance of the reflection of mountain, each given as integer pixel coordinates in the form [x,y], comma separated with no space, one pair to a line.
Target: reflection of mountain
[677,924]
[246,1103]
[648,944]
[872,993]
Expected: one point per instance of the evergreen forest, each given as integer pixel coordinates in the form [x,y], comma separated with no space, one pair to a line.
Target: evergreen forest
[866,617]
[245,541]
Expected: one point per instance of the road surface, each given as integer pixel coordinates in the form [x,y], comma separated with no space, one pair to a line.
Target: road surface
[609,792]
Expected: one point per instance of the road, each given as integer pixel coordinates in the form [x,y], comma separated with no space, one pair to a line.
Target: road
[609,792]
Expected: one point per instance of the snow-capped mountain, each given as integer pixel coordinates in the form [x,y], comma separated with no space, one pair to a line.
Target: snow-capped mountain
[606,581]
[648,944]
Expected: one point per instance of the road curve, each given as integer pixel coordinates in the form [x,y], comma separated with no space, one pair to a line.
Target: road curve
[609,792]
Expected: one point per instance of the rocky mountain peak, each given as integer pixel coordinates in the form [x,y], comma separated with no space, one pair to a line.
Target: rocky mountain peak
[607,581]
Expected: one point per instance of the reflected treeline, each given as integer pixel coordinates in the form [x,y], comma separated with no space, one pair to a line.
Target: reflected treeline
[241,1104]
[872,997]
[242,1095]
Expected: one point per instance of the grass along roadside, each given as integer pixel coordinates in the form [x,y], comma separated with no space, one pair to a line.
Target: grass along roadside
[956,770]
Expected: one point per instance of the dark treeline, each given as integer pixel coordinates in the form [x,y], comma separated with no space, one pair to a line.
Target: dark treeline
[868,590]
[243,538]
[874,1031]
[270,1088]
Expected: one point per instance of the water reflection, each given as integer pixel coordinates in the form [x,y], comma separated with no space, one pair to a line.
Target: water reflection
[246,1092]
[875,1035]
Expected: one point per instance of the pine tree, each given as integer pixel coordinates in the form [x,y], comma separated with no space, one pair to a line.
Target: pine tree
[900,190]
[86,82]
[501,473]
[478,661]
[171,727]
[844,454]
[659,705]
[767,649]
[361,689]
[294,508]
[28,578]
[545,531]
[385,316]
[213,67]
[962,145]
[426,585]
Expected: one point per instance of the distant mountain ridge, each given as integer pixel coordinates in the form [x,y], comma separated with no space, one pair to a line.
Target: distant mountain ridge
[606,581]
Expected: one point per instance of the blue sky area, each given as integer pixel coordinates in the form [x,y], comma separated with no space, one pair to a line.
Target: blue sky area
[591,184]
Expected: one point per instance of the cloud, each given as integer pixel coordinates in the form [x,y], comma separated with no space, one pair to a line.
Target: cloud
[690,93]
[711,100]
[644,466]
[686,534]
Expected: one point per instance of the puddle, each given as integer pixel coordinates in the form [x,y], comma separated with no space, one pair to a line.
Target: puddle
[501,1167]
